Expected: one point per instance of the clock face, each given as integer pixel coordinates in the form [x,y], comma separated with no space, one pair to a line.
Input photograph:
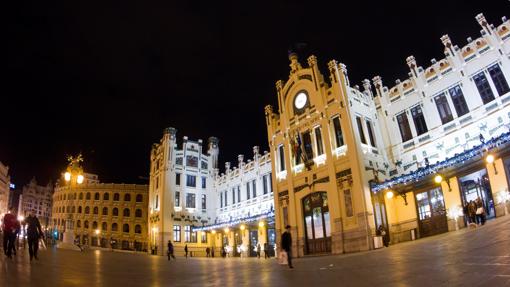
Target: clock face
[300,100]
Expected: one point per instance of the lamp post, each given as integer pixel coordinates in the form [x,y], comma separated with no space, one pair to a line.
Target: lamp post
[73,178]
[490,159]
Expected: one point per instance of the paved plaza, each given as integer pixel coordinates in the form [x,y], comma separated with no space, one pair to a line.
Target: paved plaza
[479,257]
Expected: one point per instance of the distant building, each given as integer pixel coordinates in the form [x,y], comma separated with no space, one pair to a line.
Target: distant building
[5,182]
[37,199]
[104,215]
[191,204]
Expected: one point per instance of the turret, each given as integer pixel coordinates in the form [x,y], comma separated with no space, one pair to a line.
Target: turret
[213,151]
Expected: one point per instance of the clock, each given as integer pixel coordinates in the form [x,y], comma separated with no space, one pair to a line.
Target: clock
[300,100]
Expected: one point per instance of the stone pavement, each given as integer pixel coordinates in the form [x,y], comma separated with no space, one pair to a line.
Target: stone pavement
[479,257]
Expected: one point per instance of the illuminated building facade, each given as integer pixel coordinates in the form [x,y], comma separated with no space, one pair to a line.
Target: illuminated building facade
[37,199]
[191,204]
[104,215]
[5,181]
[337,150]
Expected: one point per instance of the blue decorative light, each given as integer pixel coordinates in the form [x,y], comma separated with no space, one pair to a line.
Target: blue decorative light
[229,223]
[476,151]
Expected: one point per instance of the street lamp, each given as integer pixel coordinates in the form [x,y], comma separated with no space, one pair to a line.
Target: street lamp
[439,179]
[389,194]
[490,159]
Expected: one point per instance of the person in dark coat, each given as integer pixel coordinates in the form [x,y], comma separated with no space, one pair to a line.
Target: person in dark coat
[186,251]
[170,252]
[266,250]
[34,232]
[287,244]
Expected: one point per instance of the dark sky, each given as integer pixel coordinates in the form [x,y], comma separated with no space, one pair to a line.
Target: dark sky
[106,78]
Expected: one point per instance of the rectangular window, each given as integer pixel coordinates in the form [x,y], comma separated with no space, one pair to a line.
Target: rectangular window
[204,182]
[233,195]
[254,188]
[191,180]
[318,142]
[204,202]
[307,142]
[348,203]
[226,201]
[247,190]
[177,179]
[403,126]
[204,237]
[221,200]
[360,130]
[190,200]
[238,193]
[177,233]
[177,199]
[419,120]
[483,88]
[193,237]
[459,102]
[339,137]
[370,131]
[264,183]
[281,156]
[498,79]
[187,233]
[270,182]
[443,108]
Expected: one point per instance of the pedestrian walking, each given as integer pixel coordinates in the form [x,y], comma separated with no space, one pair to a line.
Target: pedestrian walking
[34,232]
[266,250]
[170,252]
[258,250]
[9,231]
[212,252]
[287,245]
[382,232]
[480,211]
[186,251]
[207,252]
[472,212]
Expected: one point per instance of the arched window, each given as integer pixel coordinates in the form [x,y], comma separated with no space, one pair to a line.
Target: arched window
[81,195]
[106,196]
[125,228]
[68,209]
[138,229]
[96,196]
[87,210]
[126,212]
[86,224]
[116,197]
[96,210]
[79,209]
[127,197]
[64,197]
[138,213]
[78,223]
[73,209]
[115,211]
[105,226]
[105,210]
[139,198]
[74,196]
[114,227]
[94,225]
[87,197]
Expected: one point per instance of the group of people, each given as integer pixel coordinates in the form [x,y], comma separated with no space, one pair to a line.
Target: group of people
[11,227]
[475,211]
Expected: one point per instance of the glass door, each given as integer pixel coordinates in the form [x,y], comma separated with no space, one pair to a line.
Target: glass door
[317,223]
[431,212]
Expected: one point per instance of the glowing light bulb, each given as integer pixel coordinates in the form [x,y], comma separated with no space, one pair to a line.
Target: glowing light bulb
[67,176]
[80,178]
[389,194]
[489,158]
[438,178]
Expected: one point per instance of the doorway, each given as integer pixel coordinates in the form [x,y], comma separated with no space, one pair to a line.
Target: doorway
[432,218]
[271,240]
[477,185]
[317,223]
[254,239]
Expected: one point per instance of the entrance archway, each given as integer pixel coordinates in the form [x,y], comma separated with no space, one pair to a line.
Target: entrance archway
[317,223]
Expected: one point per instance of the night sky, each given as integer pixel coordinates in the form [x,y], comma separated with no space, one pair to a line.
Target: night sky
[107,78]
